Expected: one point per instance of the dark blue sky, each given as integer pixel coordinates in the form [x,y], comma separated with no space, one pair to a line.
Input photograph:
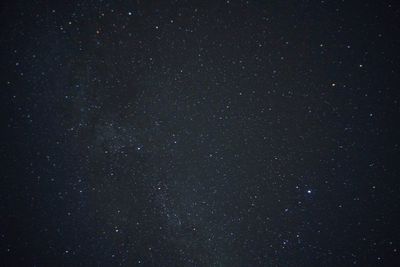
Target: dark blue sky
[199,133]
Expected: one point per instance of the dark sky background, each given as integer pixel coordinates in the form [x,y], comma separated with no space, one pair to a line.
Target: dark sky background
[200,133]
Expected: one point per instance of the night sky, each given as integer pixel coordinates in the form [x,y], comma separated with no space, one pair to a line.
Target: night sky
[200,133]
